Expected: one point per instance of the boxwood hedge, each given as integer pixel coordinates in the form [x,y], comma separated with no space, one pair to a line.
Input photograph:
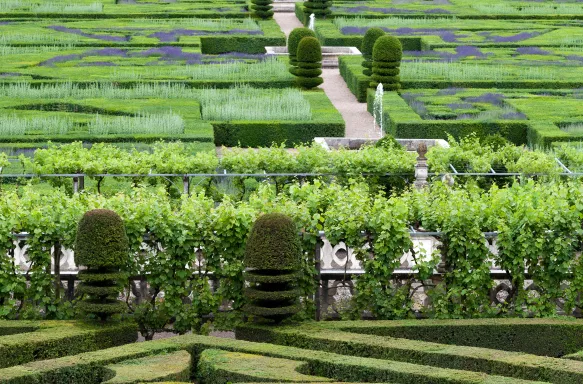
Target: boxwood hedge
[516,341]
[91,367]
[22,342]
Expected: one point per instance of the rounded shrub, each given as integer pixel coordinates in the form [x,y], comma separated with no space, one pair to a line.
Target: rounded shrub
[386,55]
[101,240]
[262,8]
[320,8]
[370,37]
[293,41]
[103,247]
[309,64]
[273,267]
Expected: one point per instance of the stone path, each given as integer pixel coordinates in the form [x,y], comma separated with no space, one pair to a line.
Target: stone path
[287,21]
[359,122]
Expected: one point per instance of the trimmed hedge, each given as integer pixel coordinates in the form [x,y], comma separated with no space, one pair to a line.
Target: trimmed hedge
[320,8]
[273,249]
[326,122]
[402,122]
[101,240]
[370,37]
[295,36]
[273,244]
[218,367]
[103,246]
[167,366]
[335,337]
[262,8]
[309,63]
[52,339]
[386,59]
[87,368]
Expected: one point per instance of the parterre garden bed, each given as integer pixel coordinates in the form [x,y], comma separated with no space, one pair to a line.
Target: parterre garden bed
[526,351]
[140,71]
[527,53]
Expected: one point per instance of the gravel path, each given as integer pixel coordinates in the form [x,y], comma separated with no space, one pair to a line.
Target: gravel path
[287,21]
[359,122]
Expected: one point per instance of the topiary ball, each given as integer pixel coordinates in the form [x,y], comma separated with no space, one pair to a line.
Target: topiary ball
[387,48]
[370,38]
[294,40]
[273,244]
[309,50]
[101,240]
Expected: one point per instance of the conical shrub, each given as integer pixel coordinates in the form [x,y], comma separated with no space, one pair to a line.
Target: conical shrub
[262,8]
[272,262]
[103,247]
[320,8]
[309,64]
[370,37]
[386,55]
[293,41]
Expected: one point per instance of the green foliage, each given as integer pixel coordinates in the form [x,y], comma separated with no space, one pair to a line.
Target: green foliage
[320,8]
[273,244]
[309,50]
[309,57]
[101,240]
[52,339]
[386,56]
[262,8]
[370,37]
[273,250]
[388,142]
[463,345]
[102,245]
[295,36]
[387,49]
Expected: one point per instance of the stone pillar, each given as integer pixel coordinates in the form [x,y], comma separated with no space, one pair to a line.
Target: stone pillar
[421,169]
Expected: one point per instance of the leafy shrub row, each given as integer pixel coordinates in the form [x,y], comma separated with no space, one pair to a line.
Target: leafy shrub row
[52,339]
[536,241]
[178,158]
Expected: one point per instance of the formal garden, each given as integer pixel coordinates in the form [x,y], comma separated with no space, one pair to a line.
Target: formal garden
[214,191]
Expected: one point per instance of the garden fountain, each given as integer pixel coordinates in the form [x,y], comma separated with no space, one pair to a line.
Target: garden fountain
[378,109]
[312,23]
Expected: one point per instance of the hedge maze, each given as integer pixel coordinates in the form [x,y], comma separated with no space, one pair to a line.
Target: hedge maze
[456,51]
[161,58]
[433,351]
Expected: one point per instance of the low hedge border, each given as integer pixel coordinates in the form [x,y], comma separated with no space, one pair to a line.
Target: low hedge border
[51,339]
[322,336]
[272,36]
[326,122]
[218,367]
[164,366]
[86,368]
[401,121]
[329,35]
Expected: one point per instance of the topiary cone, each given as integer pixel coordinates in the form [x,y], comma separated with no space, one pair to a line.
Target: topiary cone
[370,37]
[262,8]
[309,64]
[294,40]
[272,261]
[387,54]
[102,246]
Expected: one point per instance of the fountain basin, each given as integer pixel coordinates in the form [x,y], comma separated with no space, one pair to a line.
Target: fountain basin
[285,5]
[329,54]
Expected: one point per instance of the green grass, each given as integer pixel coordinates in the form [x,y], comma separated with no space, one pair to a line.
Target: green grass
[52,125]
[246,103]
[143,123]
